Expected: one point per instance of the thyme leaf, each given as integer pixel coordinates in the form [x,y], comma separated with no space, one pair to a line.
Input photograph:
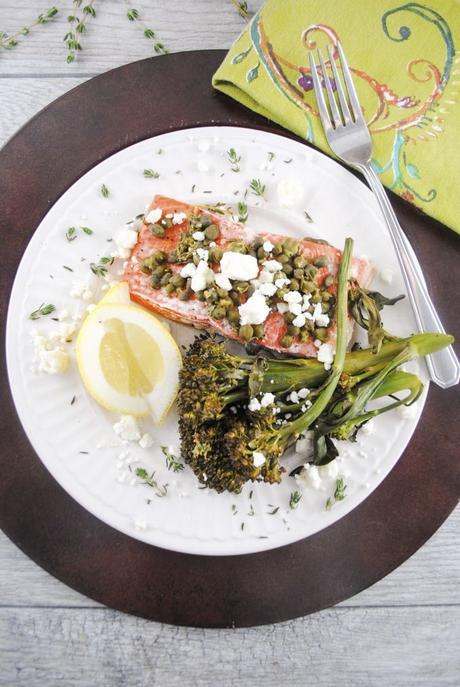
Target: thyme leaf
[242,212]
[257,187]
[234,160]
[294,499]
[150,480]
[42,311]
[151,174]
[104,191]
[171,462]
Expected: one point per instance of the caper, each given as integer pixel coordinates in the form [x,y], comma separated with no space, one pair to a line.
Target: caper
[321,333]
[218,312]
[212,232]
[309,326]
[232,314]
[286,341]
[304,336]
[196,259]
[234,296]
[251,291]
[288,269]
[325,307]
[158,271]
[238,247]
[166,222]
[298,273]
[155,282]
[206,222]
[307,286]
[279,275]
[246,332]
[211,295]
[172,256]
[289,317]
[283,259]
[252,253]
[300,261]
[329,280]
[165,278]
[259,331]
[241,286]
[310,272]
[157,230]
[170,288]
[215,254]
[277,249]
[177,280]
[257,243]
[200,296]
[281,293]
[294,285]
[321,261]
[222,293]
[293,330]
[316,298]
[261,253]
[183,294]
[327,296]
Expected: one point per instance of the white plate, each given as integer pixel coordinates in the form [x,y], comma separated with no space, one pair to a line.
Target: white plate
[76,441]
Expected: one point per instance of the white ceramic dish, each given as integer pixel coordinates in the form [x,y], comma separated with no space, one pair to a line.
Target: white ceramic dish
[76,440]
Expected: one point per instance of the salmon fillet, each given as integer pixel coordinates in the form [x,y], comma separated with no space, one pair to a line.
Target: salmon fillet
[196,312]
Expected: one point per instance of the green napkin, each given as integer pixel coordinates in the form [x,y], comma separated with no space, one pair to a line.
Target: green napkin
[406,68]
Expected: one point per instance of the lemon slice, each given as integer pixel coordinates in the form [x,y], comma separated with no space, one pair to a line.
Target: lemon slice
[127,359]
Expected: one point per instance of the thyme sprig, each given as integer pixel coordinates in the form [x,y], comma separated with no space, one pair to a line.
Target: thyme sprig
[242,8]
[100,269]
[10,41]
[151,174]
[242,212]
[42,311]
[171,461]
[234,159]
[339,493]
[257,187]
[133,15]
[294,499]
[78,27]
[149,480]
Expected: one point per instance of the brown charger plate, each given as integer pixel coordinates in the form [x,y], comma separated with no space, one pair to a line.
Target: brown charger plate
[47,156]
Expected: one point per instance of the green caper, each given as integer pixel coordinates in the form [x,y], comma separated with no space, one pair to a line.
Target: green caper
[288,269]
[283,259]
[211,295]
[215,254]
[167,222]
[304,336]
[259,331]
[159,271]
[327,296]
[316,298]
[170,288]
[196,260]
[238,247]
[165,278]
[293,330]
[177,280]
[241,286]
[310,272]
[252,253]
[279,275]
[325,307]
[294,285]
[200,296]
[225,302]
[321,261]
[286,341]
[309,326]
[206,222]
[257,243]
[222,293]
[261,254]
[321,333]
[183,294]
[329,280]
[277,249]
[298,273]
[157,230]
[218,312]
[307,286]
[300,261]
[212,232]
[246,332]
[172,256]
[233,315]
[234,296]
[155,282]
[281,293]
[289,317]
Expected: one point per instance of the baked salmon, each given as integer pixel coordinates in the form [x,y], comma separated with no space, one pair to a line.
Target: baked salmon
[176,269]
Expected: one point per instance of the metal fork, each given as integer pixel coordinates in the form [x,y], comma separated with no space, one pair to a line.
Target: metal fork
[349,138]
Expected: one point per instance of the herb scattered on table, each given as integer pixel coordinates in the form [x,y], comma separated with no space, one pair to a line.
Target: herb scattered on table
[307,216]
[10,41]
[104,191]
[42,311]
[242,8]
[100,269]
[151,174]
[242,212]
[71,233]
[294,499]
[171,461]
[133,15]
[78,27]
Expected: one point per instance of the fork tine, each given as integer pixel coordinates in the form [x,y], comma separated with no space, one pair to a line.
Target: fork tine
[340,91]
[335,114]
[352,95]
[323,112]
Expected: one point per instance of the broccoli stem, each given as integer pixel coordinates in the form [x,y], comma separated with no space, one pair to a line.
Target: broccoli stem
[291,431]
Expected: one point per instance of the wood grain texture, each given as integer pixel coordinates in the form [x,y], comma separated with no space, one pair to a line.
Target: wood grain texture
[111,40]
[352,648]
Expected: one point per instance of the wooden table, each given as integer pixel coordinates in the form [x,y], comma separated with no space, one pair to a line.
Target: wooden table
[403,631]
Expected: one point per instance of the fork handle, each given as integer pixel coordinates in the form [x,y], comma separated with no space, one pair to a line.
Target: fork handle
[443,366]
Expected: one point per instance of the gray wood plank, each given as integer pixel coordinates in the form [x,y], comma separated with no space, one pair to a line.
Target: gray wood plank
[430,577]
[361,648]
[110,39]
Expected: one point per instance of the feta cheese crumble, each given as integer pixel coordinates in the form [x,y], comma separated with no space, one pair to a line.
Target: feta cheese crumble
[254,405]
[125,240]
[309,477]
[223,282]
[153,216]
[268,246]
[255,310]
[289,192]
[258,458]
[179,217]
[239,266]
[127,428]
[304,445]
[326,355]
[386,275]
[198,235]
[267,399]
[146,440]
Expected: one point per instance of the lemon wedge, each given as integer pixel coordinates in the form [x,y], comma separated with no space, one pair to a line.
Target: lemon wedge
[127,359]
